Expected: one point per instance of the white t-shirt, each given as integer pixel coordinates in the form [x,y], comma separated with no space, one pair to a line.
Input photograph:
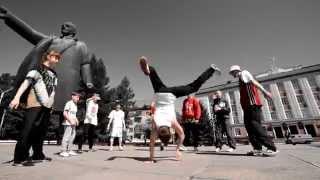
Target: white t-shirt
[164,113]
[246,76]
[117,118]
[91,113]
[71,108]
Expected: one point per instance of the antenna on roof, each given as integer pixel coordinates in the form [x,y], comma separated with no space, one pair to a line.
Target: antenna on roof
[273,66]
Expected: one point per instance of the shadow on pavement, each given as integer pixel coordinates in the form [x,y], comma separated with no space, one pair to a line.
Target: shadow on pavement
[156,149]
[221,153]
[143,159]
[7,162]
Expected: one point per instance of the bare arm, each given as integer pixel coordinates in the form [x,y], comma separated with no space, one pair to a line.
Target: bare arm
[262,89]
[86,73]
[66,116]
[20,27]
[153,137]
[110,121]
[14,104]
[123,123]
[69,119]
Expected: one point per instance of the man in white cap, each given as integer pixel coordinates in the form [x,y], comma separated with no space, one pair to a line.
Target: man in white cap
[251,105]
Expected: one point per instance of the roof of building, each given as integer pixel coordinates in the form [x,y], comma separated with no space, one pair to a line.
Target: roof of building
[270,75]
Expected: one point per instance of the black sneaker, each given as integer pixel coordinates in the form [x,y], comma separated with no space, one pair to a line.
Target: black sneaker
[47,159]
[24,163]
[161,148]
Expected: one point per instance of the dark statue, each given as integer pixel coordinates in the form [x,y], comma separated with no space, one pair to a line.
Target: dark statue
[74,71]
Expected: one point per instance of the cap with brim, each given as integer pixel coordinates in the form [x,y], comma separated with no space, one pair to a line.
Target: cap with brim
[234,68]
[75,94]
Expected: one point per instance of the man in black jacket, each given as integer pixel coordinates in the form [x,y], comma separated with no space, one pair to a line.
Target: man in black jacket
[221,111]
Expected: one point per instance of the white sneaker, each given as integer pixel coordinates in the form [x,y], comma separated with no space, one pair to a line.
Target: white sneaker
[111,149]
[271,153]
[217,70]
[120,148]
[64,154]
[230,150]
[218,149]
[255,152]
[182,148]
[72,153]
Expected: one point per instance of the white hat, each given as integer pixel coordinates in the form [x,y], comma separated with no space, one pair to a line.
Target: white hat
[235,68]
[97,96]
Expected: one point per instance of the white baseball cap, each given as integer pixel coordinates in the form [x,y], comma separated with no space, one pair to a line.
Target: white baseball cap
[234,68]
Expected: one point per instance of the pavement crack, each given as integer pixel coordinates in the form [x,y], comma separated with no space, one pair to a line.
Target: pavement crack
[307,162]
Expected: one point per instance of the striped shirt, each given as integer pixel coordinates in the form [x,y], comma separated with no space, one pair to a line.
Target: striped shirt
[249,95]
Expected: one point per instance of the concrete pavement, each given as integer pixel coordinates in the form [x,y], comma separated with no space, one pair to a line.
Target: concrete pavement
[293,162]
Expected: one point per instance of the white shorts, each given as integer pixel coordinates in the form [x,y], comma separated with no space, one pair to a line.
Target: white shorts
[116,132]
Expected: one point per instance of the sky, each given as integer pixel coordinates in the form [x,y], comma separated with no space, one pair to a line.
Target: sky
[181,37]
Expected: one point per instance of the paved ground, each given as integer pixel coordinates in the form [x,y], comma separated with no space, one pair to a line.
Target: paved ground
[293,162]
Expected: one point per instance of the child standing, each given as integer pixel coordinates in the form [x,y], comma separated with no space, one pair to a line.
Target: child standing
[118,125]
[70,123]
[39,85]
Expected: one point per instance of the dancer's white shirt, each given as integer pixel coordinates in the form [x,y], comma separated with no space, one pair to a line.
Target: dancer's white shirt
[91,113]
[164,113]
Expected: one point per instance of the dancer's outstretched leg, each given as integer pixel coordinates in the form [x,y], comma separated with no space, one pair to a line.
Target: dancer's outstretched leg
[178,91]
[193,87]
[148,70]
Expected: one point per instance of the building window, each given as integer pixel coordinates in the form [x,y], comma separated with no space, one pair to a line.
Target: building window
[315,88]
[284,99]
[137,119]
[301,98]
[233,106]
[237,131]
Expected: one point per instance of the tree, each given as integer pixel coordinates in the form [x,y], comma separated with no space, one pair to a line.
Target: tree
[125,94]
[99,72]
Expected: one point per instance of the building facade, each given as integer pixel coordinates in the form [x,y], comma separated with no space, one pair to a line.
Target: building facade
[294,106]
[139,119]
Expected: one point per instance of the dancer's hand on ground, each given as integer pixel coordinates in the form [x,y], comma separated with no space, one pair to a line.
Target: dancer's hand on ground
[150,161]
[14,104]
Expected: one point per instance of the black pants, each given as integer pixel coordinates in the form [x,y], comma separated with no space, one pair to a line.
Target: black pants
[191,130]
[89,133]
[33,134]
[257,135]
[178,91]
[223,127]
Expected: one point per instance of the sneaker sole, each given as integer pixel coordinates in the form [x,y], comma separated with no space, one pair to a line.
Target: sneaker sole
[144,66]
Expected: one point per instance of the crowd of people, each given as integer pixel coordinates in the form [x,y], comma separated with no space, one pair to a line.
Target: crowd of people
[38,88]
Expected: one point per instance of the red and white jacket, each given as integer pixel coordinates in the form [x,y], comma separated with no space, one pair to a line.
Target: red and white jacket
[191,109]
